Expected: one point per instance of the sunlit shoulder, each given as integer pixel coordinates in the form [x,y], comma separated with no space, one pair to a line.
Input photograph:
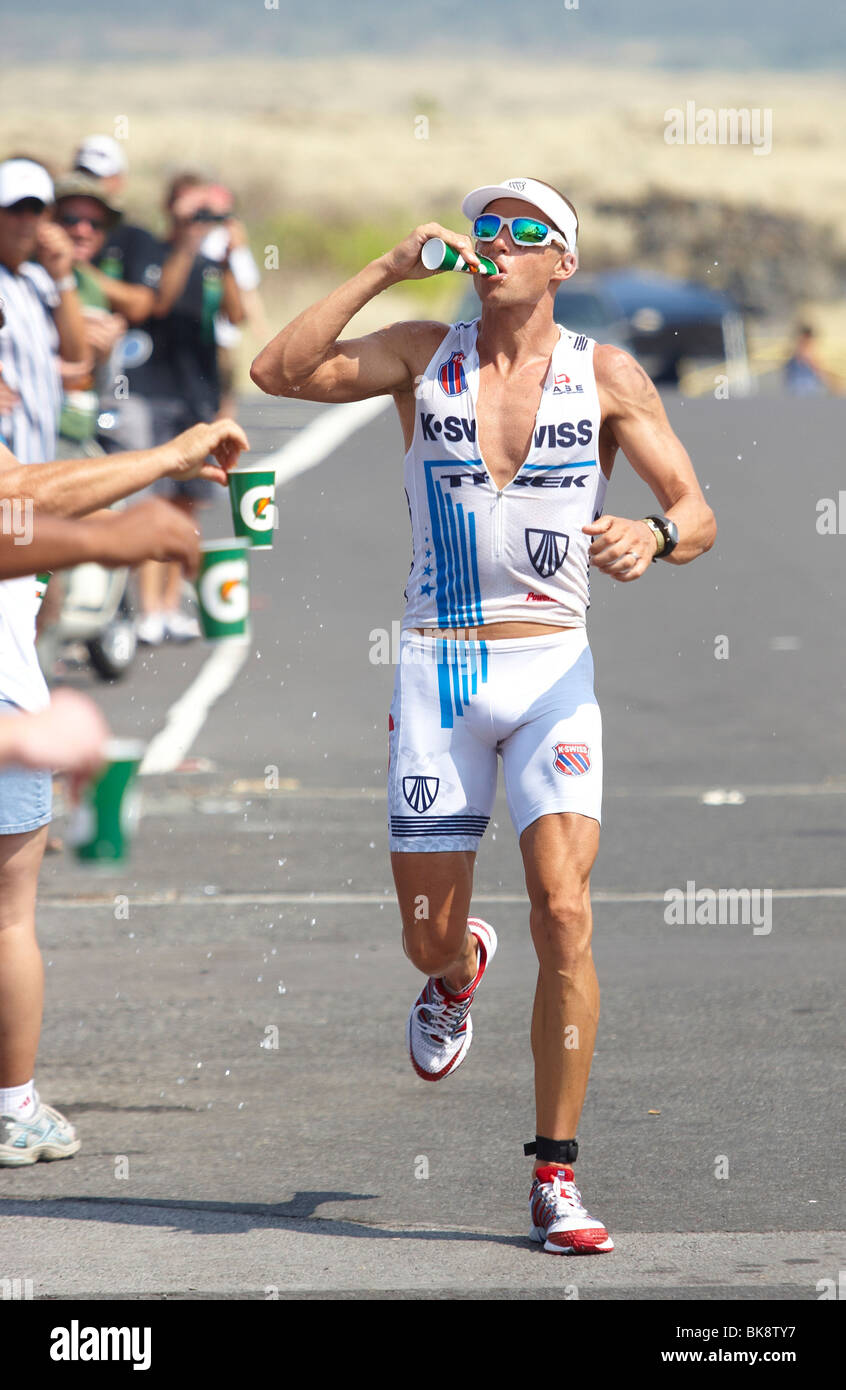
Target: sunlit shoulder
[622,380]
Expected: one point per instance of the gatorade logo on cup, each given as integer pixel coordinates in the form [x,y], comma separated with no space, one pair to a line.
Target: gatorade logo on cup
[224,591]
[41,582]
[257,510]
[254,513]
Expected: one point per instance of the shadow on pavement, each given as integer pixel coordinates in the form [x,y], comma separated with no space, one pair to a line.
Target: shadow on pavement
[297,1214]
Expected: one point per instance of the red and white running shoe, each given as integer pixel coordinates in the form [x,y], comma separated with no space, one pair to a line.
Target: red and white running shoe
[558,1218]
[439,1029]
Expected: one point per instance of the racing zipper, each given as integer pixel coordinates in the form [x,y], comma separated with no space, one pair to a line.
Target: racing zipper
[498,523]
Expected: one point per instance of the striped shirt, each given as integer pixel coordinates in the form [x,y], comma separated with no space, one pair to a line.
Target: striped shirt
[28,351]
[29,347]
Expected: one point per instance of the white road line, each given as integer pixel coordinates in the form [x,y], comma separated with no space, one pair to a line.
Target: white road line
[621,793]
[177,899]
[186,802]
[187,716]
[320,438]
[775,789]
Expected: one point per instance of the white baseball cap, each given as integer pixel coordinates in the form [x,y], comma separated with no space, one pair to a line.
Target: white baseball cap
[23,178]
[100,155]
[540,195]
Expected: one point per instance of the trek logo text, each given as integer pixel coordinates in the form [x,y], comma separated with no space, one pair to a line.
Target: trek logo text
[554,478]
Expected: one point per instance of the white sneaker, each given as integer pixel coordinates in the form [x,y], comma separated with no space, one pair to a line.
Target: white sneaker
[439,1029]
[559,1219]
[47,1135]
[181,627]
[150,629]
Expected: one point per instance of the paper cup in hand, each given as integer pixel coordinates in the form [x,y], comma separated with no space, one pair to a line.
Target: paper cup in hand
[223,589]
[103,824]
[437,255]
[41,582]
[252,492]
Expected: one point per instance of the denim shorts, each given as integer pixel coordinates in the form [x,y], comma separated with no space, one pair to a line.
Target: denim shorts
[26,797]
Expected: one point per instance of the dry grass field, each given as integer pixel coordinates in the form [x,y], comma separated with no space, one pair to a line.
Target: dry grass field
[327,158]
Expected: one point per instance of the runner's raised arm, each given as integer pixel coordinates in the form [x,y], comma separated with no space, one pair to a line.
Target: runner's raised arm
[305,359]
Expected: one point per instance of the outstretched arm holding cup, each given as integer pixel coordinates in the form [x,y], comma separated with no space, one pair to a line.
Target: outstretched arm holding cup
[76,486]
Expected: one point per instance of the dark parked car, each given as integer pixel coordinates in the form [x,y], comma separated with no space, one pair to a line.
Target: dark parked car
[673,320]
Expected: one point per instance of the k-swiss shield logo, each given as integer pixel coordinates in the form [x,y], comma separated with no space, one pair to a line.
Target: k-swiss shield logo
[452,376]
[420,792]
[519,184]
[547,550]
[573,759]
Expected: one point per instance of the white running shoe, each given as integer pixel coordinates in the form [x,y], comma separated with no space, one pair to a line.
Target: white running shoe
[559,1219]
[150,629]
[47,1135]
[181,627]
[439,1029]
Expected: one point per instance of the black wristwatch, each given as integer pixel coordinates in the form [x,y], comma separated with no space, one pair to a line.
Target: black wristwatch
[666,533]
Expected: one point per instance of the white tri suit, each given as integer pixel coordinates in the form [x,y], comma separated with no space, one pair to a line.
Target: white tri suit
[485,555]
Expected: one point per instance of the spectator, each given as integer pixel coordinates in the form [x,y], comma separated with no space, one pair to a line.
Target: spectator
[87,212]
[170,293]
[181,382]
[42,308]
[83,217]
[803,374]
[44,320]
[126,269]
[130,260]
[228,241]
[102,156]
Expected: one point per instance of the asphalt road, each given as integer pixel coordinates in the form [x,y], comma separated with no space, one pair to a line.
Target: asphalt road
[225,1014]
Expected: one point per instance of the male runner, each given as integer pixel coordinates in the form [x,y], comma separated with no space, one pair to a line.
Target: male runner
[511,427]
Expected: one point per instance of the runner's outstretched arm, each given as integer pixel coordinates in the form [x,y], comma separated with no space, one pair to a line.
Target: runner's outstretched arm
[306,360]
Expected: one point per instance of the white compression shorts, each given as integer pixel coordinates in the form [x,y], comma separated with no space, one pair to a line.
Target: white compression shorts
[457,704]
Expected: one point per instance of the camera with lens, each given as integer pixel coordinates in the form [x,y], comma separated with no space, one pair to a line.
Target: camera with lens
[207,215]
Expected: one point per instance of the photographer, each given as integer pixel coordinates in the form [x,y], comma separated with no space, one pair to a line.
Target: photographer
[181,378]
[227,241]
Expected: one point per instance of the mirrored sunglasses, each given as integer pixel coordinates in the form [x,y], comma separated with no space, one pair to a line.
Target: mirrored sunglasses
[525,231]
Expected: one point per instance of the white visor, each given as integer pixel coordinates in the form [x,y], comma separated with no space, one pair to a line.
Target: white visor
[551,204]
